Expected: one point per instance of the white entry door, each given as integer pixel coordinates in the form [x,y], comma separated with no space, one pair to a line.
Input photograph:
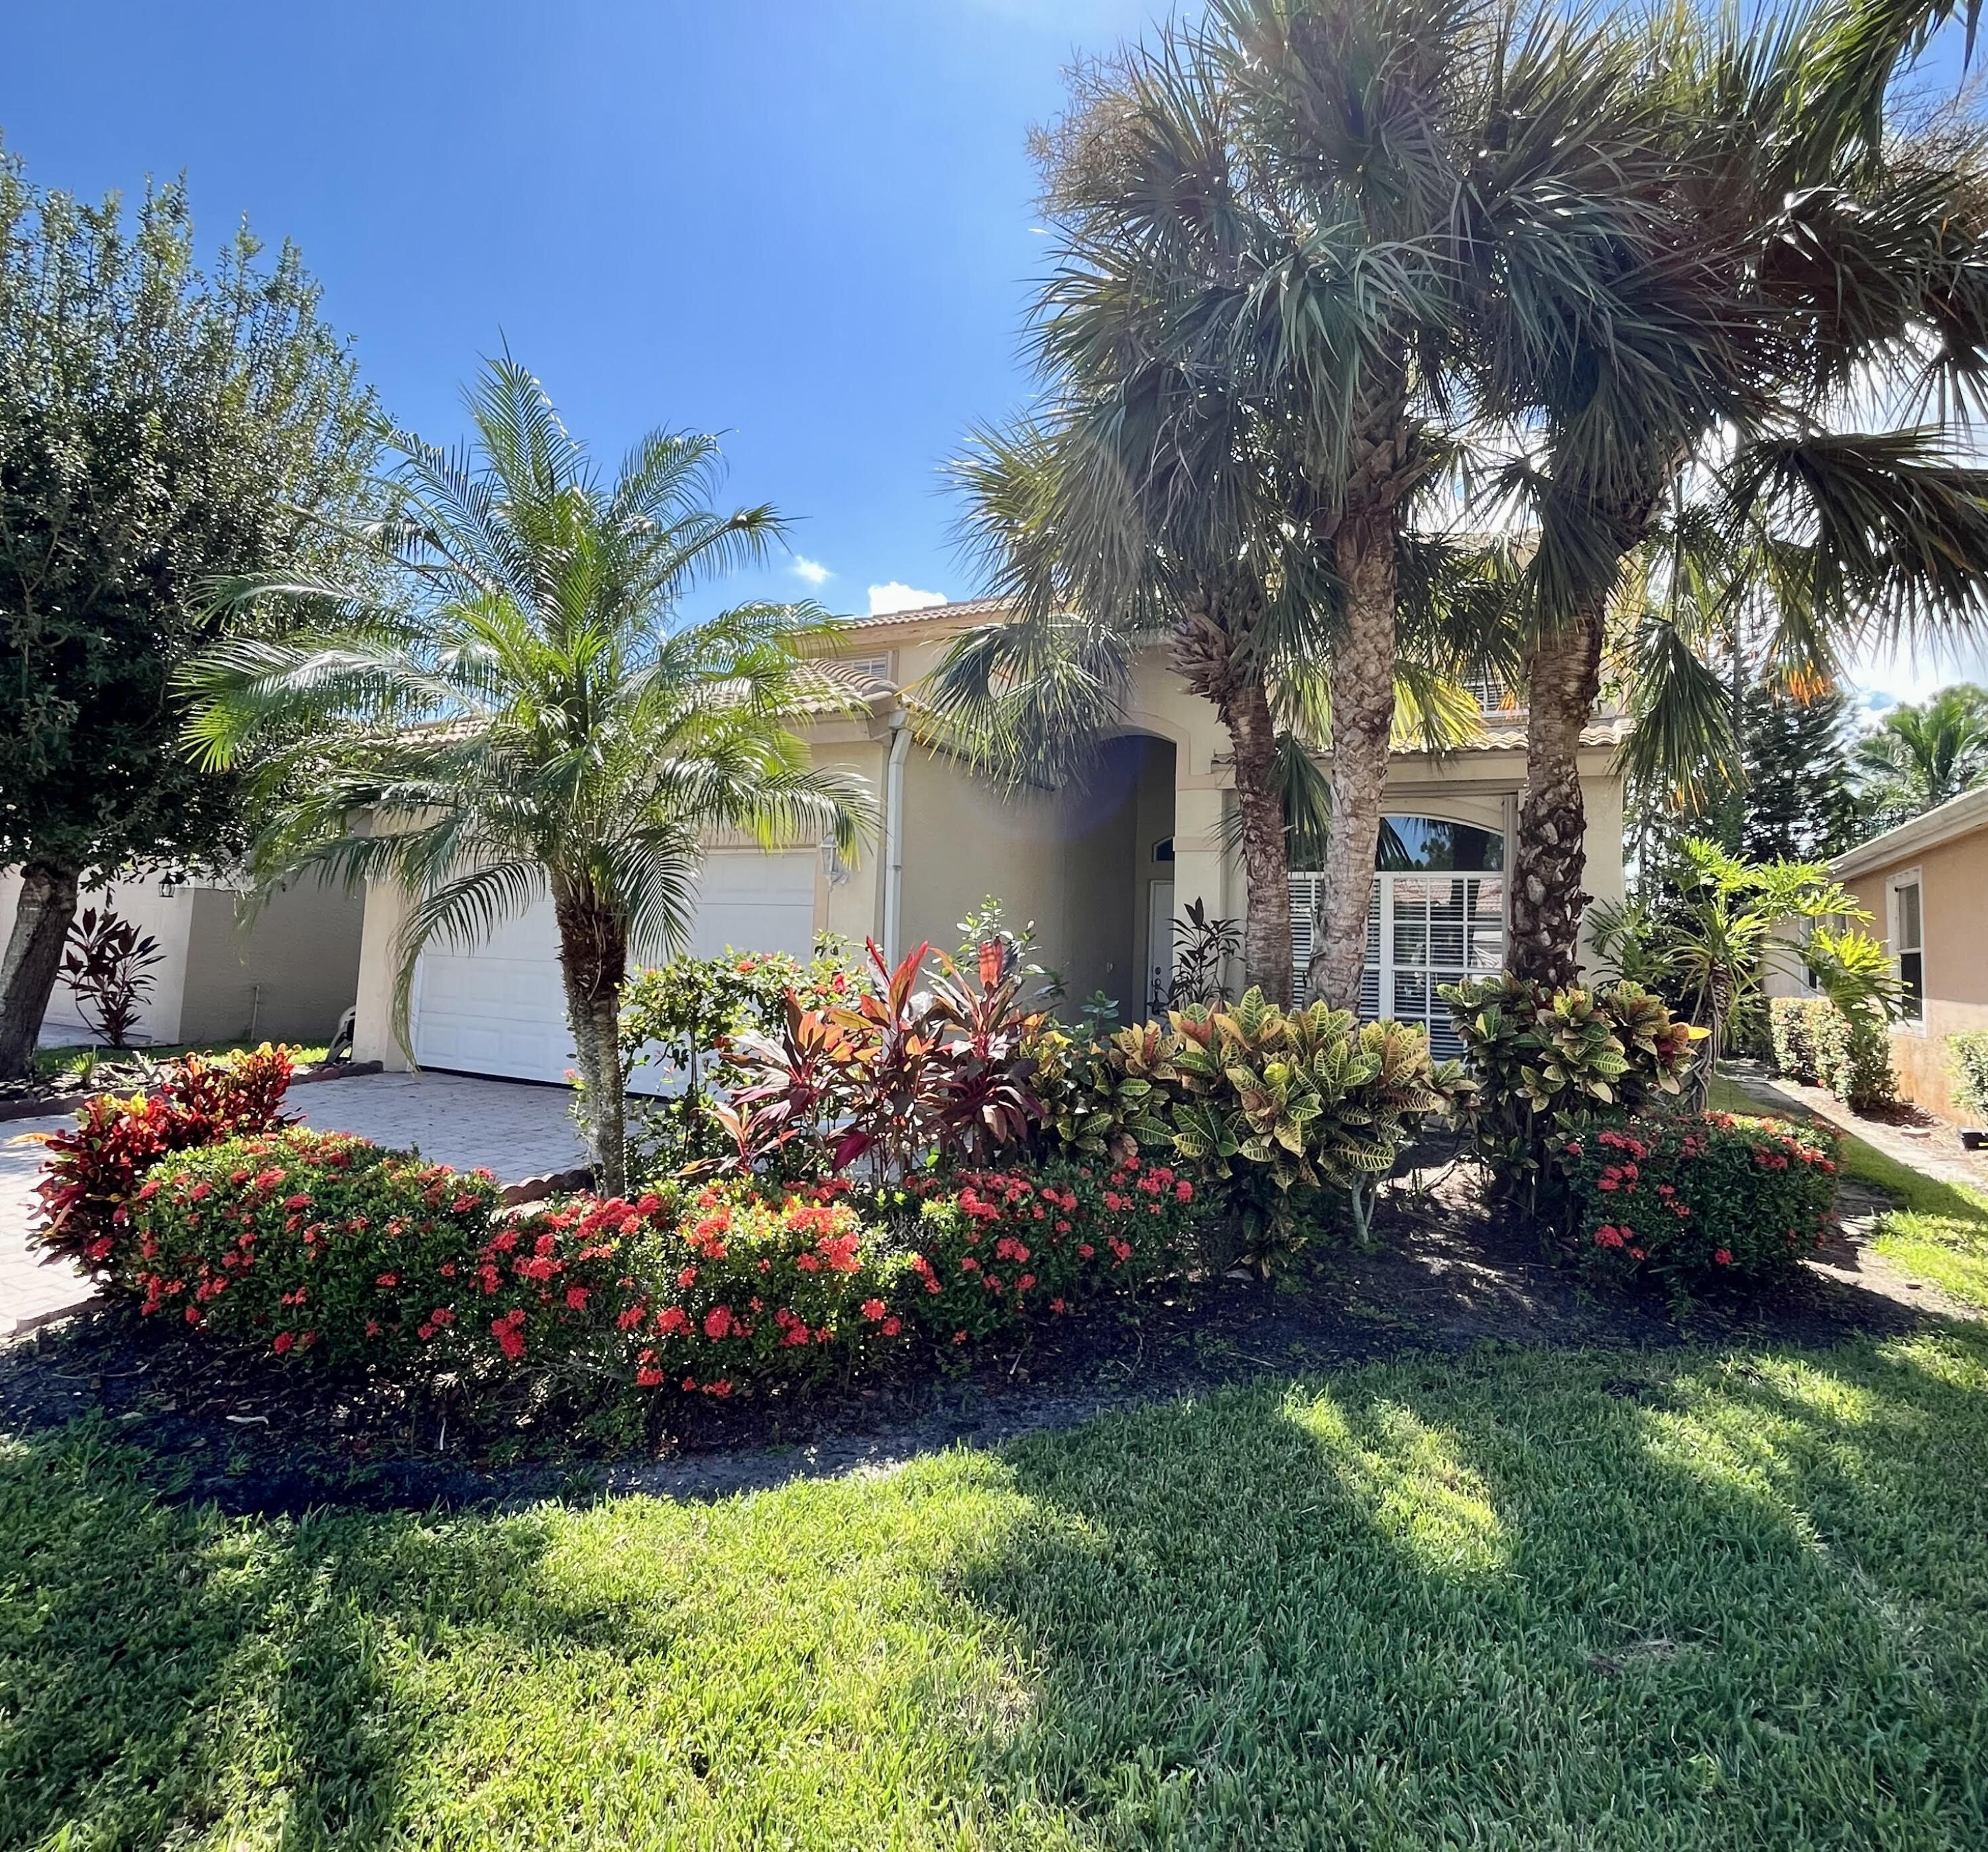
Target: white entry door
[500,1008]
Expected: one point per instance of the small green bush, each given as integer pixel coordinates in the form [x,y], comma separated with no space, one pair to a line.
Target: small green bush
[1968,1055]
[1815,1043]
[1700,1201]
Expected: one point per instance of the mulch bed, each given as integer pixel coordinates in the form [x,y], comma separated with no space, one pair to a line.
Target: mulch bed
[1446,1275]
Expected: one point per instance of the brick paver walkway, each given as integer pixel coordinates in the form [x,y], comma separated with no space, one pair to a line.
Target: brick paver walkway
[516,1129]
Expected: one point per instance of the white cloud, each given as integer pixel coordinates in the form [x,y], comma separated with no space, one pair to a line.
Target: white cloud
[896,596]
[812,570]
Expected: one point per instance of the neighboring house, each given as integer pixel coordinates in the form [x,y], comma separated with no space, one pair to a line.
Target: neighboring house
[1926,886]
[288,976]
[1103,871]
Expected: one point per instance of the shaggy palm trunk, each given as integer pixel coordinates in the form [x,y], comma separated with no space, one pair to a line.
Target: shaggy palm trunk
[1267,931]
[33,959]
[1362,723]
[593,960]
[1563,677]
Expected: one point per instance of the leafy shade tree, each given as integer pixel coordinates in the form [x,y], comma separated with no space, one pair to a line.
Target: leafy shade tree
[1808,251]
[1918,757]
[520,715]
[159,427]
[1272,232]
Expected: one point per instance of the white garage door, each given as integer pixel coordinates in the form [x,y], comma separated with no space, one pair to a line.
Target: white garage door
[501,1009]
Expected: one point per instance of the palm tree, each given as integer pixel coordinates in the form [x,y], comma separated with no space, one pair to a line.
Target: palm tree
[1918,757]
[512,711]
[1692,444]
[1272,233]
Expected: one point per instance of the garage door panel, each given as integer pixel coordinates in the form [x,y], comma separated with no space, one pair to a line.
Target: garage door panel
[500,1008]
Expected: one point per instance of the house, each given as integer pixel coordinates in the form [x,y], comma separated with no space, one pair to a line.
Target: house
[1103,871]
[288,975]
[1926,886]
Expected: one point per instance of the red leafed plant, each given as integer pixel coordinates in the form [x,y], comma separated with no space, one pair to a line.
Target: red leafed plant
[890,1035]
[94,1173]
[982,1096]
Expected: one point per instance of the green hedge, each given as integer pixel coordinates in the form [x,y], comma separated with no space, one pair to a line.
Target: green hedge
[1816,1044]
[1968,1056]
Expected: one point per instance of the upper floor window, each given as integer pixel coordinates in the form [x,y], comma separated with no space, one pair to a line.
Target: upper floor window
[1414,845]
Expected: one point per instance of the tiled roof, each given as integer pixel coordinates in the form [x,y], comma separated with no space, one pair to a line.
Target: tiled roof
[956,610]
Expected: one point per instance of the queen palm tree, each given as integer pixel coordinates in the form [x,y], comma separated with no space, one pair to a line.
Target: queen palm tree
[512,711]
[1696,445]
[1272,232]
[1920,756]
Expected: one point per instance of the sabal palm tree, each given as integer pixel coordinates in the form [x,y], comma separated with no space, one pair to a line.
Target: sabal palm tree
[1695,441]
[513,711]
[1918,757]
[1272,232]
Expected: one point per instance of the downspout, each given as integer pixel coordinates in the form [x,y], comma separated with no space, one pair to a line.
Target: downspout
[894,834]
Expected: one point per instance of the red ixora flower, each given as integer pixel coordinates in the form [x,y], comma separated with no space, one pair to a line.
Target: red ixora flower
[1722,1257]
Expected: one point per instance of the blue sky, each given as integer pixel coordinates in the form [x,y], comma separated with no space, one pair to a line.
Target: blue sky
[804,223]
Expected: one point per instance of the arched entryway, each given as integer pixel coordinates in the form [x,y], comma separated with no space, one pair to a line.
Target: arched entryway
[1437,916]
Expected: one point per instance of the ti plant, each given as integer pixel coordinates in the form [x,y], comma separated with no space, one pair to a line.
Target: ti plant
[107,964]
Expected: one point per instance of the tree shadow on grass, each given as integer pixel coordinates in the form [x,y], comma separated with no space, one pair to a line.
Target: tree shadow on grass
[1644,1600]
[162,1666]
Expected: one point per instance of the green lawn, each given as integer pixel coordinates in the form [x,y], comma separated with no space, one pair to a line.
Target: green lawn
[50,1062]
[1939,1231]
[1515,1600]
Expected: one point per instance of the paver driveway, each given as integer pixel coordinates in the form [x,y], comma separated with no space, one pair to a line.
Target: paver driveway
[509,1126]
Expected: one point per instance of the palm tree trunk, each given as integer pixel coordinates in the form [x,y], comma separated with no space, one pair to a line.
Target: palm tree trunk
[32,960]
[1563,677]
[1266,930]
[1363,725]
[593,960]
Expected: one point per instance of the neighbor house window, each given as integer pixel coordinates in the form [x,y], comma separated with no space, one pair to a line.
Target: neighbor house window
[1908,945]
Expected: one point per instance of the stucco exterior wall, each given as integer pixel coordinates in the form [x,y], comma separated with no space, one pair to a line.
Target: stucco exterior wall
[288,976]
[1953,902]
[168,919]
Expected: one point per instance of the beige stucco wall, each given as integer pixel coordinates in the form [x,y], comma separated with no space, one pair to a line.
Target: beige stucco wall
[1953,903]
[288,976]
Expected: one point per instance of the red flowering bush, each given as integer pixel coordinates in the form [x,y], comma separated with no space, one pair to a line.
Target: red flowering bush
[314,1243]
[742,1293]
[1704,1200]
[93,1173]
[1006,1244]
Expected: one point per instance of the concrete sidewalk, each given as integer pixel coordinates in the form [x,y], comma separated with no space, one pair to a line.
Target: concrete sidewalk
[510,1127]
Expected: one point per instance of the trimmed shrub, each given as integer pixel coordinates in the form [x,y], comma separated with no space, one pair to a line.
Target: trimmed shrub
[1700,1201]
[1006,1245]
[1817,1044]
[1968,1054]
[1542,1061]
[314,1243]
[741,1294]
[93,1173]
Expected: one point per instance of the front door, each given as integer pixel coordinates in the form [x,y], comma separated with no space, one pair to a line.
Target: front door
[1159,944]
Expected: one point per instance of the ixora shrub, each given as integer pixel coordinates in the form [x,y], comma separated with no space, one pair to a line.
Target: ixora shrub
[995,1247]
[314,1243]
[1816,1043]
[1700,1201]
[93,1173]
[1543,1061]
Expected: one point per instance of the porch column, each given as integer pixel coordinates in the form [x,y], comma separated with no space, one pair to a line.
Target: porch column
[379,958]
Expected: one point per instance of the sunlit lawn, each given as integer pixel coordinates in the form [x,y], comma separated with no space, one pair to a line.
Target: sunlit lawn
[1939,1231]
[76,1057]
[1519,1600]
